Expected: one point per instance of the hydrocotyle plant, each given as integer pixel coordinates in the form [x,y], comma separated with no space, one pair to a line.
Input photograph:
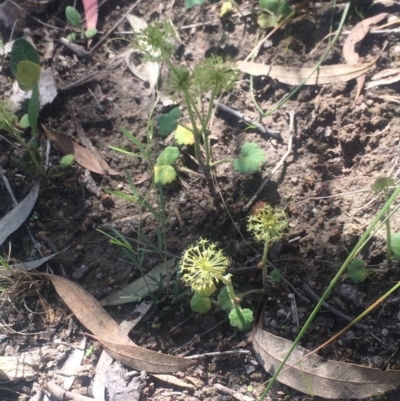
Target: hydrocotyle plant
[197,89]
[202,268]
[267,224]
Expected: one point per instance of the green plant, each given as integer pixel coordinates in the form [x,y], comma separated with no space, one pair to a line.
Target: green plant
[74,19]
[267,224]
[272,13]
[192,3]
[211,76]
[357,271]
[202,268]
[383,184]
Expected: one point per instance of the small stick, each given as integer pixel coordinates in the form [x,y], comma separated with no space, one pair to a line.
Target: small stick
[312,294]
[219,353]
[294,309]
[263,131]
[279,164]
[233,393]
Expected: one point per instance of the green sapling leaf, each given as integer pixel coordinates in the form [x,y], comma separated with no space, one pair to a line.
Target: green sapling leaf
[236,321]
[71,37]
[164,173]
[24,122]
[73,16]
[22,50]
[224,300]
[382,183]
[28,74]
[33,107]
[396,245]
[66,161]
[357,271]
[251,156]
[168,122]
[265,20]
[184,136]
[276,276]
[90,33]
[200,303]
[276,7]
[192,3]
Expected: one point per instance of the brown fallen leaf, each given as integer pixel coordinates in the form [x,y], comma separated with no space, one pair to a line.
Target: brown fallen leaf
[356,35]
[313,375]
[86,308]
[82,156]
[94,317]
[385,77]
[324,75]
[144,359]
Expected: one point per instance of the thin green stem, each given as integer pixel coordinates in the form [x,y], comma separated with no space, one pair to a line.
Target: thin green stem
[388,232]
[231,292]
[358,247]
[264,263]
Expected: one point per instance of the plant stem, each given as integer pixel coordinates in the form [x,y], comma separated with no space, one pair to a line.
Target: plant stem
[228,282]
[264,263]
[388,232]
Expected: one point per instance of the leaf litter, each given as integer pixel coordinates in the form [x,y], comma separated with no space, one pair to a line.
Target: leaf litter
[105,329]
[315,376]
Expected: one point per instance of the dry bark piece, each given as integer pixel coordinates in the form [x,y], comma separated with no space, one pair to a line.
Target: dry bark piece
[329,74]
[313,375]
[356,35]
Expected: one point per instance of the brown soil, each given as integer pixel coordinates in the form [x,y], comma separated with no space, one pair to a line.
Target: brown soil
[341,146]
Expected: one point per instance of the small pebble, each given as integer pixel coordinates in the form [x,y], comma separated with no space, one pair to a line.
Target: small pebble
[80,272]
[385,332]
[273,323]
[203,204]
[183,199]
[281,314]
[377,361]
[350,335]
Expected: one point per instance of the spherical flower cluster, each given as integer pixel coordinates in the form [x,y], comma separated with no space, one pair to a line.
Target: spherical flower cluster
[267,223]
[202,266]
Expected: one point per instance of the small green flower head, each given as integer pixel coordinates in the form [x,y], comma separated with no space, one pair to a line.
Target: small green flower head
[156,41]
[267,223]
[215,74]
[202,266]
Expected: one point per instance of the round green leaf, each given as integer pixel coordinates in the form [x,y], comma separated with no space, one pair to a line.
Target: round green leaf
[168,122]
[357,271]
[251,156]
[24,122]
[22,50]
[72,15]
[164,174]
[224,300]
[184,136]
[244,323]
[276,276]
[90,33]
[71,37]
[28,74]
[200,303]
[66,161]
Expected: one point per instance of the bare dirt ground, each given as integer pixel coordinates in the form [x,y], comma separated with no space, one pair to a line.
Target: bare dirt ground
[341,146]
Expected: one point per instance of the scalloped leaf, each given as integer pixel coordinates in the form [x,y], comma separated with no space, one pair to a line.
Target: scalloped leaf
[251,156]
[164,173]
[200,303]
[224,301]
[184,136]
[357,271]
[22,50]
[237,322]
[168,122]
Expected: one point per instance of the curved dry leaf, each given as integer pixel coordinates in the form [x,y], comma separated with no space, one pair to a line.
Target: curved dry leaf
[141,287]
[356,35]
[87,309]
[82,156]
[313,375]
[329,74]
[143,359]
[17,216]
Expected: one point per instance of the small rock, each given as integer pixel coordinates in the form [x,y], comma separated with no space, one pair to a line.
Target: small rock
[385,332]
[203,204]
[377,361]
[281,314]
[183,199]
[273,323]
[80,272]
[350,335]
